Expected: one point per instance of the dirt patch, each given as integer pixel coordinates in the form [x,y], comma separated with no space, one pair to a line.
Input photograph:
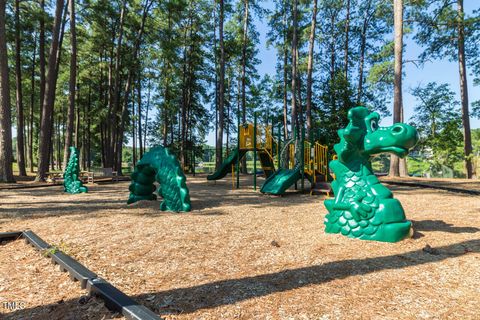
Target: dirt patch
[240,254]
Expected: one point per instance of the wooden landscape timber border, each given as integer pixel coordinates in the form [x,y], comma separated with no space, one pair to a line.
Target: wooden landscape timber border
[114,299]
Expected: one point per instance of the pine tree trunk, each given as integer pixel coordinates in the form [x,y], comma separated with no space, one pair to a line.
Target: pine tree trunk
[146,119]
[334,115]
[467,139]
[106,141]
[363,44]
[294,120]
[42,62]
[183,110]
[59,142]
[402,162]
[130,78]
[310,69]
[221,91]
[19,95]
[244,59]
[120,130]
[89,136]
[114,109]
[77,124]
[139,106]
[51,153]
[6,156]
[103,140]
[57,68]
[49,97]
[397,94]
[72,84]
[134,134]
[215,64]
[300,114]
[244,67]
[347,30]
[84,140]
[32,109]
[285,73]
[228,105]
[165,117]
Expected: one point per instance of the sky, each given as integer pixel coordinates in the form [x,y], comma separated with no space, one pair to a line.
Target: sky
[440,71]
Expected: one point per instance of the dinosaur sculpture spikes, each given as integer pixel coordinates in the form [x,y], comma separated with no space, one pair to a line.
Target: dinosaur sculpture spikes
[162,166]
[363,208]
[71,182]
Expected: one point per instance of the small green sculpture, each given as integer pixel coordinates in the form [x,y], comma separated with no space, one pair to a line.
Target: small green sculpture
[161,166]
[363,208]
[71,182]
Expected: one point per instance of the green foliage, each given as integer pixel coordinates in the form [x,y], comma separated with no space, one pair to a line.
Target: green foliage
[437,23]
[417,167]
[438,122]
[54,248]
[175,74]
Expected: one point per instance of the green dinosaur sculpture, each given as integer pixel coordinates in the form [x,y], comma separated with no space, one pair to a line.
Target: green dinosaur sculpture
[160,165]
[71,182]
[363,208]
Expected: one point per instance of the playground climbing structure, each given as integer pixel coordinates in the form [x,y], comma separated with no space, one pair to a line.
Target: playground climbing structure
[71,181]
[163,167]
[363,208]
[313,165]
[252,138]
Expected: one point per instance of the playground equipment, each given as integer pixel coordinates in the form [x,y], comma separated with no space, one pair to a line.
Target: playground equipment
[251,137]
[161,166]
[363,208]
[306,160]
[71,182]
[260,140]
[316,167]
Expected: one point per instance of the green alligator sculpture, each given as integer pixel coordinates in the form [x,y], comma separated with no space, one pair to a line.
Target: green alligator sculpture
[71,182]
[363,208]
[160,165]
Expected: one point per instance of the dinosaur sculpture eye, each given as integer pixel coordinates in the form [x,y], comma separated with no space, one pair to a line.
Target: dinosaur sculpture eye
[373,125]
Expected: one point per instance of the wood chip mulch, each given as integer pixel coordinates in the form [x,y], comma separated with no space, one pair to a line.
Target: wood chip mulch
[241,255]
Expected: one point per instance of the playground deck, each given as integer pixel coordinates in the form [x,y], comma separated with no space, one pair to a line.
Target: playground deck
[240,254]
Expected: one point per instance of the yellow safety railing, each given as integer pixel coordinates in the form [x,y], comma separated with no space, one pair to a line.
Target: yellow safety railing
[321,159]
[291,156]
[264,137]
[315,158]
[308,160]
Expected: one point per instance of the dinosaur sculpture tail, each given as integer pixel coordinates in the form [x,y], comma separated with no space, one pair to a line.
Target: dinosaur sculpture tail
[161,166]
[71,182]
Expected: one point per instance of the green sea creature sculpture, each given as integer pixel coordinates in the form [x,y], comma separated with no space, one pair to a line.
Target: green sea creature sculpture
[363,208]
[71,182]
[161,166]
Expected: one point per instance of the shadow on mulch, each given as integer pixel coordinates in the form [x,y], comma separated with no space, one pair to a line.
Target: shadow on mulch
[440,225]
[228,292]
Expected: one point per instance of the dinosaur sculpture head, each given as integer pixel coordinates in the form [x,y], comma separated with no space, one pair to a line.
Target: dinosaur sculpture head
[363,137]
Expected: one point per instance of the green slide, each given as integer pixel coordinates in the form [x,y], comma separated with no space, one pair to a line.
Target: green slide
[226,166]
[281,180]
[162,166]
